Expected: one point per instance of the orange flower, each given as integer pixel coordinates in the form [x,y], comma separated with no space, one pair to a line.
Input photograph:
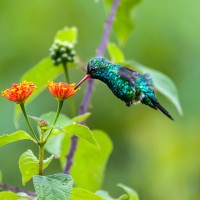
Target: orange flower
[19,92]
[62,90]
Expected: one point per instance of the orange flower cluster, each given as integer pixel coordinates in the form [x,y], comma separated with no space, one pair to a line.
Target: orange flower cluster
[19,92]
[62,90]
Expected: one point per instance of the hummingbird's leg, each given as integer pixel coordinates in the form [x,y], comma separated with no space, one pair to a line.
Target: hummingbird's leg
[129,103]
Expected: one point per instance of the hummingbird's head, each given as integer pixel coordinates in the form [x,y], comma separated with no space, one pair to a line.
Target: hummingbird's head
[96,66]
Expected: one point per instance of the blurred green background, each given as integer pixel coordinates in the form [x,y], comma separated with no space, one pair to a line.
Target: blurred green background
[155,156]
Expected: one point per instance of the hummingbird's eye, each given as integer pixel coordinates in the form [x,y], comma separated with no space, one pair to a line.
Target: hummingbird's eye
[94,69]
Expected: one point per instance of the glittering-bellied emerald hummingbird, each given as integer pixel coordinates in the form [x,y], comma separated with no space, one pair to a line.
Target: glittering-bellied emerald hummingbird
[127,84]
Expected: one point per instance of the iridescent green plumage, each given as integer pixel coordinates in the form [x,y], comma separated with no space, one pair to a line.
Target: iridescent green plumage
[127,84]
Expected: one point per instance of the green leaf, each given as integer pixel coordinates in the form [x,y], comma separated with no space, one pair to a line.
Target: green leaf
[28,165]
[13,137]
[123,24]
[132,194]
[81,131]
[39,74]
[162,83]
[81,194]
[56,186]
[67,34]
[81,118]
[89,162]
[115,53]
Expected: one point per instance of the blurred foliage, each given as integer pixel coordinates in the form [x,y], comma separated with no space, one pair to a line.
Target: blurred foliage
[156,157]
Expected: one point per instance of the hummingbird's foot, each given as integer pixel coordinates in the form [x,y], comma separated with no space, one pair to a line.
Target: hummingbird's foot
[129,103]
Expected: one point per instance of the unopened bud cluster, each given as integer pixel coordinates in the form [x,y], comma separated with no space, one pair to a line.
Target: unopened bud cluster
[42,123]
[62,52]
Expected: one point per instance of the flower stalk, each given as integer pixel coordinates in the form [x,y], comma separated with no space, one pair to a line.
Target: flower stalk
[27,121]
[41,152]
[60,104]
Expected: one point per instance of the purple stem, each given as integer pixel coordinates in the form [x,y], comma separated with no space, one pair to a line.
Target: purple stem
[16,189]
[107,30]
[88,92]
[71,154]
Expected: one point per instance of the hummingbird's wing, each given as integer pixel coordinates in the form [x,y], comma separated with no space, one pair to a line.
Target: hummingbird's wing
[128,74]
[143,85]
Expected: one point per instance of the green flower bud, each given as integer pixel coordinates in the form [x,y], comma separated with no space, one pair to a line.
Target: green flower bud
[62,52]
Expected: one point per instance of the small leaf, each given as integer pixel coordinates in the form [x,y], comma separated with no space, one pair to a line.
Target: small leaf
[81,131]
[132,194]
[81,118]
[47,161]
[81,194]
[28,165]
[89,162]
[13,137]
[56,186]
[123,24]
[67,34]
[115,53]
[162,83]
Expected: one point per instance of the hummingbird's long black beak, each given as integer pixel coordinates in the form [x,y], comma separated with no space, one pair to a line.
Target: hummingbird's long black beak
[83,80]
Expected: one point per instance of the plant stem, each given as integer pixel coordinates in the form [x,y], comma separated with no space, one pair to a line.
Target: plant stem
[88,92]
[60,104]
[41,152]
[27,121]
[16,189]
[70,155]
[71,101]
[65,68]
[107,30]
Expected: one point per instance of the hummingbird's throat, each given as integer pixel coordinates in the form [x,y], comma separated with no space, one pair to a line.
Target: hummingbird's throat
[83,80]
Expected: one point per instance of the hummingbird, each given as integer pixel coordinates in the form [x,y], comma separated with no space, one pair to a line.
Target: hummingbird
[128,85]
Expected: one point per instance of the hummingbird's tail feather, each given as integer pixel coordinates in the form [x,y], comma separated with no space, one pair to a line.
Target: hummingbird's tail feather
[157,105]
